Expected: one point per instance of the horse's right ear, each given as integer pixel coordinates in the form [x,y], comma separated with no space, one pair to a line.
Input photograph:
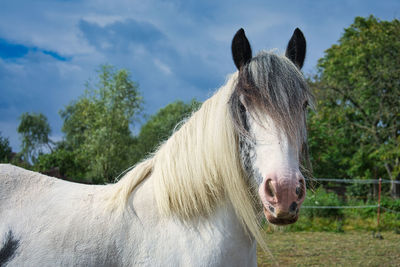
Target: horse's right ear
[241,50]
[296,49]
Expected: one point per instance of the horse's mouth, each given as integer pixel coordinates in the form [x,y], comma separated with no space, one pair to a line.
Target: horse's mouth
[281,220]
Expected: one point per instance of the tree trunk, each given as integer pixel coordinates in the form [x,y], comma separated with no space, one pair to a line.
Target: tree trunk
[375,186]
[395,189]
[375,190]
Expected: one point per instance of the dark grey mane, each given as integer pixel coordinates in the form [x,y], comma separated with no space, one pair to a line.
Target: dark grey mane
[273,85]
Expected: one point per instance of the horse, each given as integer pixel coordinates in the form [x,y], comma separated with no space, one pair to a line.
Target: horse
[198,200]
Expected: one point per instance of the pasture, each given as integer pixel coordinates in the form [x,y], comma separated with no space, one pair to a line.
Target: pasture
[331,249]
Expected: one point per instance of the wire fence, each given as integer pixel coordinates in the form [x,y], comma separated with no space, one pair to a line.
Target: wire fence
[367,181]
[340,207]
[390,210]
[355,181]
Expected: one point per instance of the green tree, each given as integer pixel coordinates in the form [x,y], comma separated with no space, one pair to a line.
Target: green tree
[160,126]
[97,125]
[331,145]
[34,130]
[359,94]
[5,150]
[70,164]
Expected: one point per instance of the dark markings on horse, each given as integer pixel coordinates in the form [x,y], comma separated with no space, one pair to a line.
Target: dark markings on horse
[9,248]
[247,152]
[246,145]
[247,155]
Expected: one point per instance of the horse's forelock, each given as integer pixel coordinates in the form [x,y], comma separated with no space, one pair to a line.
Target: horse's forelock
[272,85]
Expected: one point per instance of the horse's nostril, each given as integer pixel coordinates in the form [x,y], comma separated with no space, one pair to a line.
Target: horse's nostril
[293,207]
[269,189]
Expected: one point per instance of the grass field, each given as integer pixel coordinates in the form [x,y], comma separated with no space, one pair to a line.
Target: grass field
[331,249]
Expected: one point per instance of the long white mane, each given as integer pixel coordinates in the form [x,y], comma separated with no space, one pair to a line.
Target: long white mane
[198,168]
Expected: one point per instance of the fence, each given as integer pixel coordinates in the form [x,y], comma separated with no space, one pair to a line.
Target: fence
[369,181]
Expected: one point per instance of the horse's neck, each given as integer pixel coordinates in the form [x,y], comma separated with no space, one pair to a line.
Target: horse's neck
[143,204]
[213,240]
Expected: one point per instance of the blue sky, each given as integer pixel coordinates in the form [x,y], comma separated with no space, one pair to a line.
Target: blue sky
[175,50]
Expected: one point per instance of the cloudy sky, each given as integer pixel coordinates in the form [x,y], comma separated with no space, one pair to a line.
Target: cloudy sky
[174,49]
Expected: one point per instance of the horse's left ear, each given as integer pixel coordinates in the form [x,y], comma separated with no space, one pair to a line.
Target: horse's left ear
[296,48]
[241,50]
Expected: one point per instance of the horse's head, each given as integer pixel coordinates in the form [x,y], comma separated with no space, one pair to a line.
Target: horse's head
[268,107]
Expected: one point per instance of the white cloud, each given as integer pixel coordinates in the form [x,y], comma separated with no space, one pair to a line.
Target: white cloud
[103,20]
[162,66]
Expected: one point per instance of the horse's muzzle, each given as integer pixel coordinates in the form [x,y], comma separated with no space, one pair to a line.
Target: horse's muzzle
[282,219]
[282,196]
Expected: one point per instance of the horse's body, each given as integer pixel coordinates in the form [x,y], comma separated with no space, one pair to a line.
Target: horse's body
[70,228]
[196,201]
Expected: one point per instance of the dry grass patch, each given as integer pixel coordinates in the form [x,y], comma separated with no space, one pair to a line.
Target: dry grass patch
[331,249]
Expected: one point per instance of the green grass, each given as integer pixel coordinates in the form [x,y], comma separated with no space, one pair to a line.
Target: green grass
[349,222]
[331,249]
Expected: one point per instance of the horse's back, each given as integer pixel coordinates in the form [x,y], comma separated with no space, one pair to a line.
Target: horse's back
[16,188]
[13,178]
[47,221]
[20,187]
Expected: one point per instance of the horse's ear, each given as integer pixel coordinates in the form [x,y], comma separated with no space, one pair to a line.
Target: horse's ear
[296,48]
[241,50]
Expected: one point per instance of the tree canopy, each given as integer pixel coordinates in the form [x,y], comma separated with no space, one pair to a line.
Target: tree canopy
[34,130]
[97,125]
[358,93]
[161,126]
[5,150]
[98,143]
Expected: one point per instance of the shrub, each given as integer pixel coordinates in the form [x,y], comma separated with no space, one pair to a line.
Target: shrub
[359,190]
[70,164]
[321,197]
[390,203]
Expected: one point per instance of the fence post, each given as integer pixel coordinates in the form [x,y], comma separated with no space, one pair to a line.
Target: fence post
[379,202]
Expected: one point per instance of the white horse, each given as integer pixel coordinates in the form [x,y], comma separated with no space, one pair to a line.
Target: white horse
[196,201]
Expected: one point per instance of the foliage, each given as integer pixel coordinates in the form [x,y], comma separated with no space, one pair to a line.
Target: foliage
[351,222]
[390,203]
[98,143]
[160,127]
[345,219]
[69,162]
[359,190]
[357,91]
[330,145]
[34,130]
[5,150]
[320,197]
[97,125]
